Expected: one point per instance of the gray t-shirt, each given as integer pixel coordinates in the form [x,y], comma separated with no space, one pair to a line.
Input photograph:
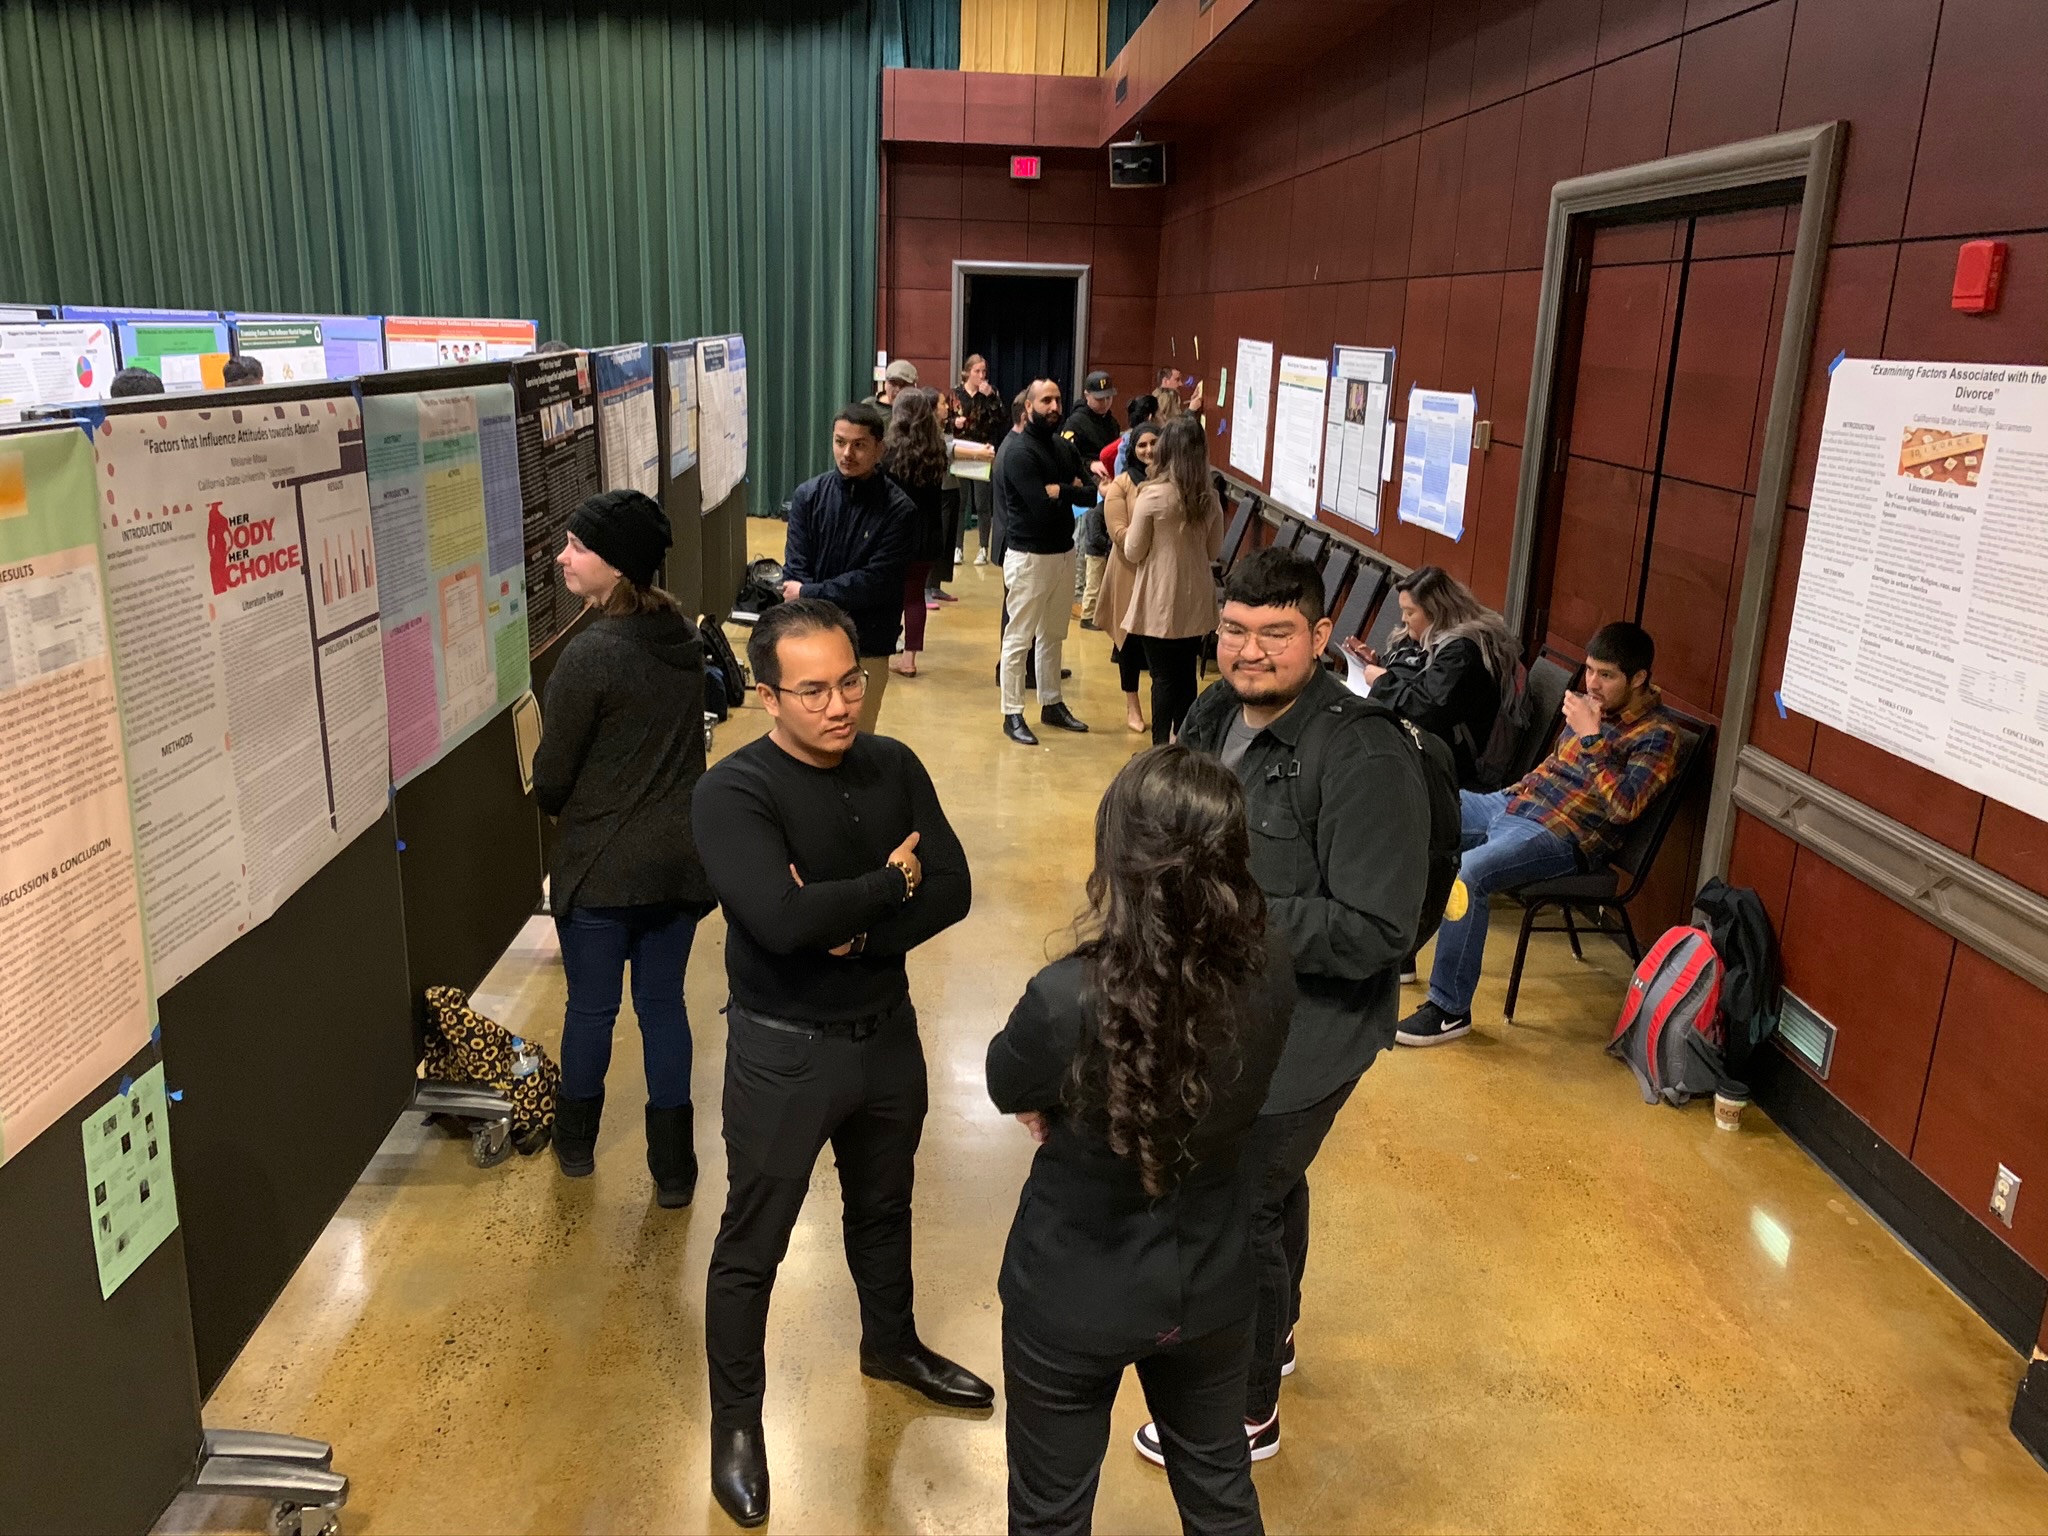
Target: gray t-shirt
[1237,740]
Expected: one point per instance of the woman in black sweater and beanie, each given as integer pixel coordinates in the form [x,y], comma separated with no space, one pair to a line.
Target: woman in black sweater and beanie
[1140,1061]
[621,750]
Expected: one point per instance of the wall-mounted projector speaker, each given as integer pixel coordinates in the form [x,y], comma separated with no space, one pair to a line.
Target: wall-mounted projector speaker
[1138,163]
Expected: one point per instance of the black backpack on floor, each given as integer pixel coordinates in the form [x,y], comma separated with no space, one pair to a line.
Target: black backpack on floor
[725,680]
[1751,979]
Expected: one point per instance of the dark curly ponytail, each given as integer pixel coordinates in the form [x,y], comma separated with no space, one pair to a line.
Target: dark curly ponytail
[1175,929]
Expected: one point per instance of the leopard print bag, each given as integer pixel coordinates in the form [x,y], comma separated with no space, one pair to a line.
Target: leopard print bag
[465,1047]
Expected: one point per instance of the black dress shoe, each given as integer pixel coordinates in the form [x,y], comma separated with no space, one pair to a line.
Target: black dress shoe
[739,1474]
[1015,728]
[930,1373]
[1061,716]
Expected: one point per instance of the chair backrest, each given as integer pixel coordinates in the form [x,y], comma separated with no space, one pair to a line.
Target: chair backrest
[1335,568]
[1240,525]
[1289,532]
[1386,625]
[1311,545]
[1645,835]
[1548,679]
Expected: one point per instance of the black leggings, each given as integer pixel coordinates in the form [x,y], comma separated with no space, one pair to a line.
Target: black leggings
[1172,664]
[1130,662]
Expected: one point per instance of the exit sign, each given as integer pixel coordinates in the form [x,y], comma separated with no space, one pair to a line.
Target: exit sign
[1025,167]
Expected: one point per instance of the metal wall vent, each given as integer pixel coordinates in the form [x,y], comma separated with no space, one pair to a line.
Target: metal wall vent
[1123,88]
[1806,1034]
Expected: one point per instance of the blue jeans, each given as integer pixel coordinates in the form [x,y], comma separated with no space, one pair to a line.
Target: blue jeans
[1500,851]
[596,944]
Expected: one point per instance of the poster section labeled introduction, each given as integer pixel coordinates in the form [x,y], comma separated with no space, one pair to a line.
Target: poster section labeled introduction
[249,657]
[722,411]
[75,1001]
[413,341]
[1436,460]
[682,408]
[1921,621]
[451,565]
[57,363]
[557,447]
[1356,436]
[1250,407]
[629,452]
[1298,431]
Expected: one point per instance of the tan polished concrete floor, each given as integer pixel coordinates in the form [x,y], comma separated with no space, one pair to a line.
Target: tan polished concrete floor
[1534,1303]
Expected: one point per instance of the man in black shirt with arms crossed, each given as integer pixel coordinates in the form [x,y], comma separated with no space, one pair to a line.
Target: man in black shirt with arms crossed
[832,858]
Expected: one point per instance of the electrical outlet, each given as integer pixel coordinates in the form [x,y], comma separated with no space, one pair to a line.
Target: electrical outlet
[2005,1194]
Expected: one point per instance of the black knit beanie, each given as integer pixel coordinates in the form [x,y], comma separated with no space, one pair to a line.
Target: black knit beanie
[627,530]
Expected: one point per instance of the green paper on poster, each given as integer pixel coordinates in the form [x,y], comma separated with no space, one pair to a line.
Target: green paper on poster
[128,1193]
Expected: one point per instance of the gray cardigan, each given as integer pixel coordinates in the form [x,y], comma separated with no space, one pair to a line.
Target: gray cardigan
[621,750]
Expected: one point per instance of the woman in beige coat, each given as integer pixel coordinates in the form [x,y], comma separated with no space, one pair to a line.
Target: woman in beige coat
[1117,501]
[1175,534]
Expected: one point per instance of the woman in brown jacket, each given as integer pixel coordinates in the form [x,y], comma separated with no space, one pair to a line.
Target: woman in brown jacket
[1175,534]
[1117,500]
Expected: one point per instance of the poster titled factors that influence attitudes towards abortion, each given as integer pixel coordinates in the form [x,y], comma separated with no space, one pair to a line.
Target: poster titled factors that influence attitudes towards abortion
[75,1001]
[451,577]
[1921,623]
[242,581]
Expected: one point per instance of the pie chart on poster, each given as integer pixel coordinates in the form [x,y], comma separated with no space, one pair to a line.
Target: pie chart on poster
[85,373]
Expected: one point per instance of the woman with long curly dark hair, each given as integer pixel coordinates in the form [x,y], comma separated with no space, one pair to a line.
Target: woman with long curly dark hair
[1140,1061]
[914,456]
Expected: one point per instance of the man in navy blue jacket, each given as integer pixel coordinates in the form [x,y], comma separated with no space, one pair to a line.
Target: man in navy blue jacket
[851,534]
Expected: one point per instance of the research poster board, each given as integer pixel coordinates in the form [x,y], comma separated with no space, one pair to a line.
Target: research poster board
[242,585]
[53,363]
[1298,431]
[75,999]
[1251,407]
[173,344]
[722,412]
[628,452]
[681,406]
[1921,620]
[23,314]
[451,558]
[294,348]
[556,416]
[1357,435]
[1436,460]
[419,341]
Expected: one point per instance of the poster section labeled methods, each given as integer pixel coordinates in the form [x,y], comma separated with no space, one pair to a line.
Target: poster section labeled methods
[1250,407]
[1436,460]
[1355,434]
[629,452]
[722,412]
[1298,431]
[75,1000]
[451,565]
[557,451]
[129,1197]
[242,582]
[57,363]
[415,341]
[681,406]
[1921,622]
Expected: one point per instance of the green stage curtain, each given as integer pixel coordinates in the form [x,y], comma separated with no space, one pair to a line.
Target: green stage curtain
[1124,16]
[922,34]
[622,173]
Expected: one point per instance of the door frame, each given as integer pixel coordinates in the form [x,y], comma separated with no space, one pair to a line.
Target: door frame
[1803,164]
[962,270]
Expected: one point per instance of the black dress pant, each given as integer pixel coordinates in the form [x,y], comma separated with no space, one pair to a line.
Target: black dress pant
[788,1091]
[1059,1398]
[1173,664]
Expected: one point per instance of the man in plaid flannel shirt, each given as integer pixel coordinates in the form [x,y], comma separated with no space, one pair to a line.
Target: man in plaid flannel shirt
[1618,750]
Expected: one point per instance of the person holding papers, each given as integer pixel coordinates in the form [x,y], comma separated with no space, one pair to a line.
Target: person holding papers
[1446,667]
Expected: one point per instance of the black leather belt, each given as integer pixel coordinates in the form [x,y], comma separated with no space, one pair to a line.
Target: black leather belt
[850,1029]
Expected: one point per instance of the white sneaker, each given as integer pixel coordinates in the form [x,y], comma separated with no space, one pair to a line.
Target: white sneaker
[981,557]
[1409,977]
[959,554]
[1265,1439]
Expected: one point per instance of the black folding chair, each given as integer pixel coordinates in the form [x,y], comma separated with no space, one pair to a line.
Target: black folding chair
[1234,534]
[1367,588]
[1336,566]
[1613,887]
[1289,532]
[1386,625]
[1311,544]
[1548,680]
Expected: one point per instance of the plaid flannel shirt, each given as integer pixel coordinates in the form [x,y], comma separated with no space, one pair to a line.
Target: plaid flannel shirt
[1591,787]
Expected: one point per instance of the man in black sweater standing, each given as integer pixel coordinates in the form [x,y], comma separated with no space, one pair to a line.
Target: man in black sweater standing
[852,531]
[1039,482]
[833,859]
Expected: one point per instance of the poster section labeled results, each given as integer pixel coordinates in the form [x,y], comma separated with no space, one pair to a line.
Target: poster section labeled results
[1298,431]
[681,406]
[629,452]
[557,452]
[242,583]
[75,1000]
[1251,407]
[1921,621]
[1356,435]
[451,565]
[722,409]
[58,363]
[1436,460]
[414,341]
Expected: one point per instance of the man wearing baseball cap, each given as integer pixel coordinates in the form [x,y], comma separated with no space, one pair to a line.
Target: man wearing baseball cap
[1092,425]
[896,378]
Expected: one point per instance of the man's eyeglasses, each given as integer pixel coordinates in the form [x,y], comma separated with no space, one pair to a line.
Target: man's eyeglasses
[1273,639]
[814,696]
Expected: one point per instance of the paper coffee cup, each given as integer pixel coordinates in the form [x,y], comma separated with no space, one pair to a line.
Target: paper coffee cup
[1728,1112]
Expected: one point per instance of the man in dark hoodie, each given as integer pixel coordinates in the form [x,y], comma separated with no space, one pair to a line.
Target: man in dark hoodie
[852,531]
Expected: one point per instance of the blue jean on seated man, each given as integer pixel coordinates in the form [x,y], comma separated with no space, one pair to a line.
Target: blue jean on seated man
[1501,852]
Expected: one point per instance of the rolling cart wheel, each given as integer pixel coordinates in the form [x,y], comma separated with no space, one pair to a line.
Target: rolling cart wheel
[289,1519]
[490,1143]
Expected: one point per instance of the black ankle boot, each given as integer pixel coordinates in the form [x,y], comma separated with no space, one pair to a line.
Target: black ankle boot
[739,1474]
[576,1134]
[672,1155]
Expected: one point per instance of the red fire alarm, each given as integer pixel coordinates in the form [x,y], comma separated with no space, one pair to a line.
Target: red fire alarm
[1025,167]
[1980,275]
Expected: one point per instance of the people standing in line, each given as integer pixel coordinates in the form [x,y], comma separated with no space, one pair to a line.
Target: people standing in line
[979,419]
[621,750]
[851,534]
[1174,537]
[914,456]
[1040,483]
[1139,1062]
[1339,812]
[833,859]
[1125,652]
[1447,666]
[1617,752]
